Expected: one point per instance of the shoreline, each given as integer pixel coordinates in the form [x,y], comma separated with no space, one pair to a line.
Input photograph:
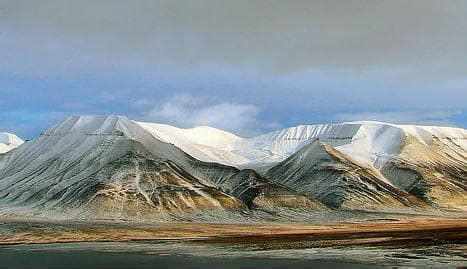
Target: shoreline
[384,231]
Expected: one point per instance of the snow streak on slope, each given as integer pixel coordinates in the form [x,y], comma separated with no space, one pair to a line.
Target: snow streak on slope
[9,141]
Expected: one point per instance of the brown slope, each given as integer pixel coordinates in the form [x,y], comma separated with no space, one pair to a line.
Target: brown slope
[320,171]
[436,173]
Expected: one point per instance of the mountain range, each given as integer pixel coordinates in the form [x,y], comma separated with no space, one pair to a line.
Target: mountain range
[111,167]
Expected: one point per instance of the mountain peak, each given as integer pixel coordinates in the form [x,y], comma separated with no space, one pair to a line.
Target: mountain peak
[91,124]
[86,119]
[9,141]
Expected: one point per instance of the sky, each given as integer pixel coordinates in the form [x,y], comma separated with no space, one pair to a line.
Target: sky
[244,66]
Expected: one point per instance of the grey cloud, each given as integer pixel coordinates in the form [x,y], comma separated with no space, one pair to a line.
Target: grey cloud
[420,37]
[270,63]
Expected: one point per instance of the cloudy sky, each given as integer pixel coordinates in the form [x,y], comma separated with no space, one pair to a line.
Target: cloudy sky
[245,66]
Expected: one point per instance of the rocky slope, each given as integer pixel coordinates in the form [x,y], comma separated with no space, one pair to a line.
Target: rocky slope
[320,171]
[436,173]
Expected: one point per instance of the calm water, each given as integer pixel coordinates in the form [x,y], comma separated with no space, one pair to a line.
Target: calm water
[189,255]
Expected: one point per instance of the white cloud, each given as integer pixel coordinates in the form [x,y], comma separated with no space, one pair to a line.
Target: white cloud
[186,110]
[441,117]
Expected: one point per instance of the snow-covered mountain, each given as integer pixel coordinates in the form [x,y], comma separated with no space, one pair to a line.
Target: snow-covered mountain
[204,143]
[428,162]
[320,171]
[113,167]
[9,141]
[394,152]
[367,142]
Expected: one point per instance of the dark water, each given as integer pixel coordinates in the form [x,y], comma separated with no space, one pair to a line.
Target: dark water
[186,255]
[89,259]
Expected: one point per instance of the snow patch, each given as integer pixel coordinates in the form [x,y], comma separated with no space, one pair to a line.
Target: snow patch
[9,141]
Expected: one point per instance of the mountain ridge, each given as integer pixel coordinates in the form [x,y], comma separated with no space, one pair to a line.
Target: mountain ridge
[114,167]
[63,167]
[277,145]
